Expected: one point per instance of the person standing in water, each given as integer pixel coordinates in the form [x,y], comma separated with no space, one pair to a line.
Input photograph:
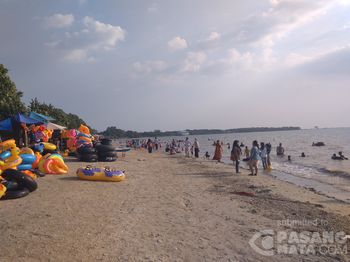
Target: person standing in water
[246,154]
[254,158]
[263,155]
[280,150]
[236,154]
[196,148]
[218,151]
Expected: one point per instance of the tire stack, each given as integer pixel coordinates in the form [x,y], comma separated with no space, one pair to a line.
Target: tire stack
[17,184]
[87,154]
[106,151]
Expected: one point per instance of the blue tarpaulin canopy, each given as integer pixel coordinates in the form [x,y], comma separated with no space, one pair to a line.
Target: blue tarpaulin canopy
[6,125]
[40,117]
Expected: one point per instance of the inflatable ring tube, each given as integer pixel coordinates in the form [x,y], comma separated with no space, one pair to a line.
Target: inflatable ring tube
[37,159]
[58,166]
[83,135]
[2,190]
[8,144]
[82,138]
[107,154]
[88,158]
[106,141]
[49,146]
[38,147]
[86,150]
[24,167]
[55,167]
[28,158]
[105,148]
[15,194]
[98,174]
[30,174]
[11,185]
[38,173]
[4,155]
[56,156]
[11,164]
[22,179]
[26,150]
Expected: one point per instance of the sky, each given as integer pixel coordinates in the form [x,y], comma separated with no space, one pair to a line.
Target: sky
[183,64]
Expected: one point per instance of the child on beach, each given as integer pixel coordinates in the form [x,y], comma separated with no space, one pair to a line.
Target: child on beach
[207,156]
[218,151]
[254,158]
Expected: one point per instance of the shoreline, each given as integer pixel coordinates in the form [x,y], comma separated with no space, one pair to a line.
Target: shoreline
[169,208]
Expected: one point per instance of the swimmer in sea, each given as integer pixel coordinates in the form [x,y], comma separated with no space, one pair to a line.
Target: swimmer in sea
[289,158]
[342,156]
[335,157]
[302,154]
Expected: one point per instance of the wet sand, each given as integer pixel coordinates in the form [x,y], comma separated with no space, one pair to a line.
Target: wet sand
[169,208]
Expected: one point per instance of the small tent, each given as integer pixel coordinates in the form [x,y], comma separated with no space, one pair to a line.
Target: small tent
[53,126]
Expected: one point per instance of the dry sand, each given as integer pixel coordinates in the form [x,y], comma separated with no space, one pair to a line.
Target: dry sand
[169,208]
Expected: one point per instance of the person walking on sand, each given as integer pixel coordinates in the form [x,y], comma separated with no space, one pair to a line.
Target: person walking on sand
[254,158]
[196,148]
[187,145]
[236,154]
[218,151]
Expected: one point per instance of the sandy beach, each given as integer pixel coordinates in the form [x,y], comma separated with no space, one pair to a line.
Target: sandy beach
[169,208]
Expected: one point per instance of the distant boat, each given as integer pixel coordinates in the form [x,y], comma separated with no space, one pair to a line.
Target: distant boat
[316,127]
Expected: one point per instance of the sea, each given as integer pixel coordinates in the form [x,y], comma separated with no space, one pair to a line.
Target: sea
[317,171]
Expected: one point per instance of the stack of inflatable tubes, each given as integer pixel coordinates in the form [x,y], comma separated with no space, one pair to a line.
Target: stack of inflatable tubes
[100,174]
[83,140]
[16,184]
[52,164]
[87,154]
[106,151]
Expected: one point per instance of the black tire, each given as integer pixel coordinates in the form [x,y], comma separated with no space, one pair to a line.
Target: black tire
[107,154]
[88,158]
[38,173]
[106,141]
[107,159]
[49,152]
[71,154]
[23,180]
[11,185]
[105,148]
[86,150]
[15,194]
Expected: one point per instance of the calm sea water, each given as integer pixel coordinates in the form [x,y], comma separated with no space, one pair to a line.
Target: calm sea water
[317,170]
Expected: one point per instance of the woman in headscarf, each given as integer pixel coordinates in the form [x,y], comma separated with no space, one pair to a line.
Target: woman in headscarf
[218,151]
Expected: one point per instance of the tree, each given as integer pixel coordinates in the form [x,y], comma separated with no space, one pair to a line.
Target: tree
[10,97]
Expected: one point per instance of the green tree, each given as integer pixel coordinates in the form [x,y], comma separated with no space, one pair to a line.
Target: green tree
[10,97]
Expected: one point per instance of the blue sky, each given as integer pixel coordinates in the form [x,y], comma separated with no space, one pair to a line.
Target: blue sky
[171,65]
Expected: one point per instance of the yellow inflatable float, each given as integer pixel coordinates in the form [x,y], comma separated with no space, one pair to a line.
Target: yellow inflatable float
[2,190]
[100,174]
[52,164]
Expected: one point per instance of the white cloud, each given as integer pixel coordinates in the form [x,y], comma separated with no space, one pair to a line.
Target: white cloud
[194,61]
[214,36]
[93,37]
[266,28]
[107,35]
[148,67]
[177,43]
[59,21]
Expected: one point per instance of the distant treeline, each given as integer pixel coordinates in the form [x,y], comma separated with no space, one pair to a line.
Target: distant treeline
[114,132]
